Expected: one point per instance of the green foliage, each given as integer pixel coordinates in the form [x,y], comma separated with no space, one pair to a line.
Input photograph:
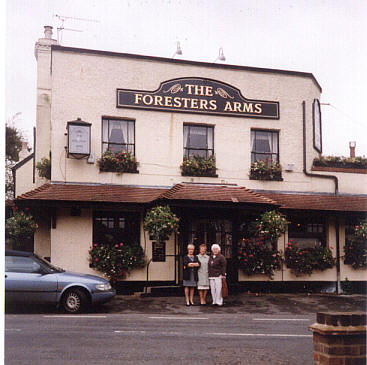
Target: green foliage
[198,166]
[19,228]
[305,260]
[258,257]
[161,222]
[347,287]
[44,168]
[117,162]
[117,260]
[13,143]
[340,161]
[271,225]
[355,249]
[263,170]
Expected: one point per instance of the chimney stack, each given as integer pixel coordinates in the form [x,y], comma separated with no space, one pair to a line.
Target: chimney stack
[48,31]
[352,148]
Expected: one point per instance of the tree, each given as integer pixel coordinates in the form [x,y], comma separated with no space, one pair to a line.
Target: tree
[13,147]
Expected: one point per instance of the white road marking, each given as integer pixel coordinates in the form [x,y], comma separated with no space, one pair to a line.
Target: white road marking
[281,319]
[259,334]
[178,318]
[130,331]
[13,329]
[74,316]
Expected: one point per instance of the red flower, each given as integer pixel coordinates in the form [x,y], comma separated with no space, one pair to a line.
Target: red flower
[95,244]
[121,244]
[96,259]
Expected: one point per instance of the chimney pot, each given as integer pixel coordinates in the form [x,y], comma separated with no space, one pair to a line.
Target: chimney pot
[48,31]
[352,148]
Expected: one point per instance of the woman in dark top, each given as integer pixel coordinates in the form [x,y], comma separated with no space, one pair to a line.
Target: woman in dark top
[216,269]
[190,274]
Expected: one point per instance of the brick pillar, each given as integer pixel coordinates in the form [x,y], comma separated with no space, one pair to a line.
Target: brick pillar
[339,338]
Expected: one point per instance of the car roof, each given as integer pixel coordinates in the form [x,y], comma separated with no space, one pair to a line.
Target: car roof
[18,253]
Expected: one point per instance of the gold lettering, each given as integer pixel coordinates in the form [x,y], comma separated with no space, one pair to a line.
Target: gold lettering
[203,104]
[158,100]
[228,107]
[177,102]
[213,105]
[209,91]
[258,108]
[137,98]
[186,100]
[199,90]
[194,103]
[247,108]
[145,97]
[168,101]
[237,106]
[189,88]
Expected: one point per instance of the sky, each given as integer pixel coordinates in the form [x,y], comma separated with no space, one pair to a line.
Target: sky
[324,37]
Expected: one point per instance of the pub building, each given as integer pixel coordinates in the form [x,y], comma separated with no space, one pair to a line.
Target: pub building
[164,111]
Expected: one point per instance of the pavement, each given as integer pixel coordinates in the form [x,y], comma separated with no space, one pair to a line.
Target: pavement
[242,303]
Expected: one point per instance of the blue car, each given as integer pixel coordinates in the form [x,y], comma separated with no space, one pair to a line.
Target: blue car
[30,280]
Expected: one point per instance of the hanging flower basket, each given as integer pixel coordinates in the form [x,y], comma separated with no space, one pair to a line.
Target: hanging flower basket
[118,162]
[355,248]
[199,166]
[306,260]
[258,257]
[161,222]
[263,170]
[116,261]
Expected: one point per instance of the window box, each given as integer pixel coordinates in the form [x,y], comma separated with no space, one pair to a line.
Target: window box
[199,166]
[118,162]
[262,170]
[341,162]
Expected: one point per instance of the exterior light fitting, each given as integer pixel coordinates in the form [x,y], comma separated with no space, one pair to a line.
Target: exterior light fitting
[178,50]
[221,56]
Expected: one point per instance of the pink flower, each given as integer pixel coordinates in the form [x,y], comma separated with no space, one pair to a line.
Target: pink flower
[95,244]
[96,259]
[116,245]
[251,255]
[331,247]
[121,244]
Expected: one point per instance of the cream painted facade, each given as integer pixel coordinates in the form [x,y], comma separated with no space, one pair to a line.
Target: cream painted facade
[76,83]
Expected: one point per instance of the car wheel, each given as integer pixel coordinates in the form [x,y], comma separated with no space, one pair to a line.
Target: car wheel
[74,301]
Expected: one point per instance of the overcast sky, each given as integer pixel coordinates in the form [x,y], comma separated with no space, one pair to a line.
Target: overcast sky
[324,37]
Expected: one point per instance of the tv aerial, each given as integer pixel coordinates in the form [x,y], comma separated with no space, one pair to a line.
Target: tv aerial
[64,18]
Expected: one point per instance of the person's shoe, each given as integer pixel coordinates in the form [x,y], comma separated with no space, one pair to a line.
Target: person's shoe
[187,304]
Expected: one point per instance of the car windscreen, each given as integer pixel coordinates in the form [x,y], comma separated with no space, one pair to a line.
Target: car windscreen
[48,265]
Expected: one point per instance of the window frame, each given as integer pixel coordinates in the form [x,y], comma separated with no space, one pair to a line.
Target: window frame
[118,119]
[117,217]
[305,234]
[186,150]
[254,153]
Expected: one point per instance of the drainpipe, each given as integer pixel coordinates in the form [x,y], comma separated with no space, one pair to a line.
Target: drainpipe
[336,182]
[336,191]
[338,288]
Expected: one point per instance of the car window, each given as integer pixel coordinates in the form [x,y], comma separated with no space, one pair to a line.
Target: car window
[21,264]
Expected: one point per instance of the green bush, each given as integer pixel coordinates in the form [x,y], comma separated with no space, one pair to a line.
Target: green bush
[117,162]
[198,166]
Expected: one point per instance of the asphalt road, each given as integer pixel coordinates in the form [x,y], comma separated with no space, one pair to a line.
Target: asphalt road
[249,329]
[157,339]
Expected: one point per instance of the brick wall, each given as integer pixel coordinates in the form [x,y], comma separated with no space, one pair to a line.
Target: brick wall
[339,339]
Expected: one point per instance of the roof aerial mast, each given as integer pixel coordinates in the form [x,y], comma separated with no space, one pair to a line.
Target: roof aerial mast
[63,18]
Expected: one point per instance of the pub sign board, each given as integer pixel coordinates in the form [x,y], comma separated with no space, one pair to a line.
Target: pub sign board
[197,95]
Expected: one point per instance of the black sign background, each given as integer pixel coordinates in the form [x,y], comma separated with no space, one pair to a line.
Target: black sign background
[197,95]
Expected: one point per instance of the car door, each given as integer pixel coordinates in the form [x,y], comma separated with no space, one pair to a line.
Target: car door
[27,282]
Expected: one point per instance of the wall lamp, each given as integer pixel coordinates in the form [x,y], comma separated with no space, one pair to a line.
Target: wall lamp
[178,50]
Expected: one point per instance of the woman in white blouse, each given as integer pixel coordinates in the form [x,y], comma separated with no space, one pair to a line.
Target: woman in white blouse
[203,282]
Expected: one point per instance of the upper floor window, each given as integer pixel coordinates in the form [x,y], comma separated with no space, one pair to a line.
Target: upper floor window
[198,141]
[264,146]
[118,135]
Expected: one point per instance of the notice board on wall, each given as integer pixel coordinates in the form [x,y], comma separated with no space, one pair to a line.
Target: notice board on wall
[159,251]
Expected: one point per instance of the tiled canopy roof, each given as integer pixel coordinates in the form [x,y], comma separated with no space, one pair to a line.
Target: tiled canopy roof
[217,193]
[345,203]
[93,193]
[193,192]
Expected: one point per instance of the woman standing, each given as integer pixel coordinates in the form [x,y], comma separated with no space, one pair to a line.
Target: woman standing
[190,274]
[203,282]
[216,269]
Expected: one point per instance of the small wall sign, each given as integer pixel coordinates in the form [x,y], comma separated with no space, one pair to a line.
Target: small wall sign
[159,251]
[317,131]
[198,95]
[79,136]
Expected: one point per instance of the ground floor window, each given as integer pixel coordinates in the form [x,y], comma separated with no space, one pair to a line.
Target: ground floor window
[116,227]
[307,231]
